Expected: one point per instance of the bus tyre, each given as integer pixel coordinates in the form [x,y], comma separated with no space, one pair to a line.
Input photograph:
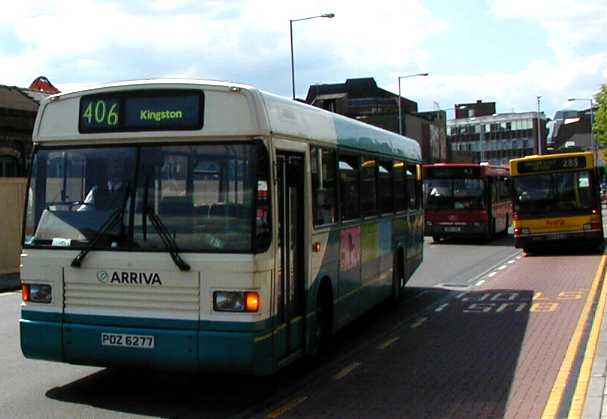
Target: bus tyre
[435,238]
[323,324]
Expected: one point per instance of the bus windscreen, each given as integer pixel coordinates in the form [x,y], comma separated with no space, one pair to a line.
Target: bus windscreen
[203,193]
[455,194]
[558,193]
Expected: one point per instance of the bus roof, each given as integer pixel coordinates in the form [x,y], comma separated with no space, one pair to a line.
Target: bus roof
[229,110]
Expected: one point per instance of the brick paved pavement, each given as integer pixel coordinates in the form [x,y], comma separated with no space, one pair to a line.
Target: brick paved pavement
[492,352]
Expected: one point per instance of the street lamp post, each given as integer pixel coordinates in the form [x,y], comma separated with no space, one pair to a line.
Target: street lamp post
[328,15]
[539,137]
[592,143]
[400,115]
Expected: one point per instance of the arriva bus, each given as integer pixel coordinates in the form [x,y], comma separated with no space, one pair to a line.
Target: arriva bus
[209,226]
[556,198]
[466,200]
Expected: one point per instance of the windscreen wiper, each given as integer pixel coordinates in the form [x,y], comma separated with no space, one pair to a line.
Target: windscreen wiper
[110,223]
[165,236]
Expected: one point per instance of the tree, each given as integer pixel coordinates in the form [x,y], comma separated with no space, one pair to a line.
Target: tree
[600,118]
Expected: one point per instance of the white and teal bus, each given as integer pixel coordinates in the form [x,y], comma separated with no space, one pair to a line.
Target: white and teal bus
[208,226]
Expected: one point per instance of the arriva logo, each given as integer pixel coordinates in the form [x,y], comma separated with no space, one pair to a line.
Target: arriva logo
[129,278]
[103,276]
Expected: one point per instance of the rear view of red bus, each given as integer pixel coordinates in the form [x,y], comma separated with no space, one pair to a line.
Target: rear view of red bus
[466,200]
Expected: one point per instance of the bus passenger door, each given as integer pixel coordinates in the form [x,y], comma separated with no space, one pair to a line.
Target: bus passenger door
[290,290]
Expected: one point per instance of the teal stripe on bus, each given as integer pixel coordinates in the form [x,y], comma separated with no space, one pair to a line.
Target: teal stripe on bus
[362,137]
[144,322]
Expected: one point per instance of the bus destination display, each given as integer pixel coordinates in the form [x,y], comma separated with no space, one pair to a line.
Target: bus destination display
[142,111]
[548,165]
[453,172]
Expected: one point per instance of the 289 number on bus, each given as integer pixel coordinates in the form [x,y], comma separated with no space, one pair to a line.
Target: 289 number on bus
[101,113]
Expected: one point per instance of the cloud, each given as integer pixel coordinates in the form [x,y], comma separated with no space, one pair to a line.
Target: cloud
[105,40]
[569,25]
[575,34]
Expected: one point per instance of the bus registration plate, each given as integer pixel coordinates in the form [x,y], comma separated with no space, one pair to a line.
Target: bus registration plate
[453,229]
[128,341]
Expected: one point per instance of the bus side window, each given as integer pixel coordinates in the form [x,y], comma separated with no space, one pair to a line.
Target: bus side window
[368,186]
[400,188]
[384,187]
[349,186]
[419,186]
[323,185]
[411,180]
[263,215]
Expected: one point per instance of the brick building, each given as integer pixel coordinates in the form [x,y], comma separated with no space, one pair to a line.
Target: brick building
[18,108]
[363,100]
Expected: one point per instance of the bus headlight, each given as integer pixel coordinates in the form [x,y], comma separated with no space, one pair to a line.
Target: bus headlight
[36,293]
[236,301]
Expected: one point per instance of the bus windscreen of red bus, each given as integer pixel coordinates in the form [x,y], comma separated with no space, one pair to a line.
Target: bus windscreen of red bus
[465,193]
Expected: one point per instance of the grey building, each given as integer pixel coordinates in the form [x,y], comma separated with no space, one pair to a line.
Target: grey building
[494,138]
[571,128]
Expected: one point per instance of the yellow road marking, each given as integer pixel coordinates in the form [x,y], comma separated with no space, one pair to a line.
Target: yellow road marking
[579,396]
[347,370]
[388,343]
[287,406]
[558,388]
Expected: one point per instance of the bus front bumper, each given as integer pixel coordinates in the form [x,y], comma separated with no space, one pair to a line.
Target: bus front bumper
[191,350]
[448,230]
[546,239]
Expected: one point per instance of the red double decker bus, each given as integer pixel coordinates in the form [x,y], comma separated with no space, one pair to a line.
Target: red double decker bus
[466,200]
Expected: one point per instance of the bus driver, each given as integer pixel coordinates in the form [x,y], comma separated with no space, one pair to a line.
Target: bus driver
[112,193]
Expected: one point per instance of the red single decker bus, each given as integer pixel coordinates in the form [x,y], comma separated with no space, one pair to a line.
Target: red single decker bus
[466,200]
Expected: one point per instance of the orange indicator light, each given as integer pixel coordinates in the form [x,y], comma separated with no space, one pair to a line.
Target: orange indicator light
[316,247]
[251,301]
[25,292]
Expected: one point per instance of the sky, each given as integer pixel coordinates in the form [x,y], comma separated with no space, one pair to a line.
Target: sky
[507,51]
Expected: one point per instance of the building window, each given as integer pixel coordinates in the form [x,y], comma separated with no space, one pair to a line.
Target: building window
[9,166]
